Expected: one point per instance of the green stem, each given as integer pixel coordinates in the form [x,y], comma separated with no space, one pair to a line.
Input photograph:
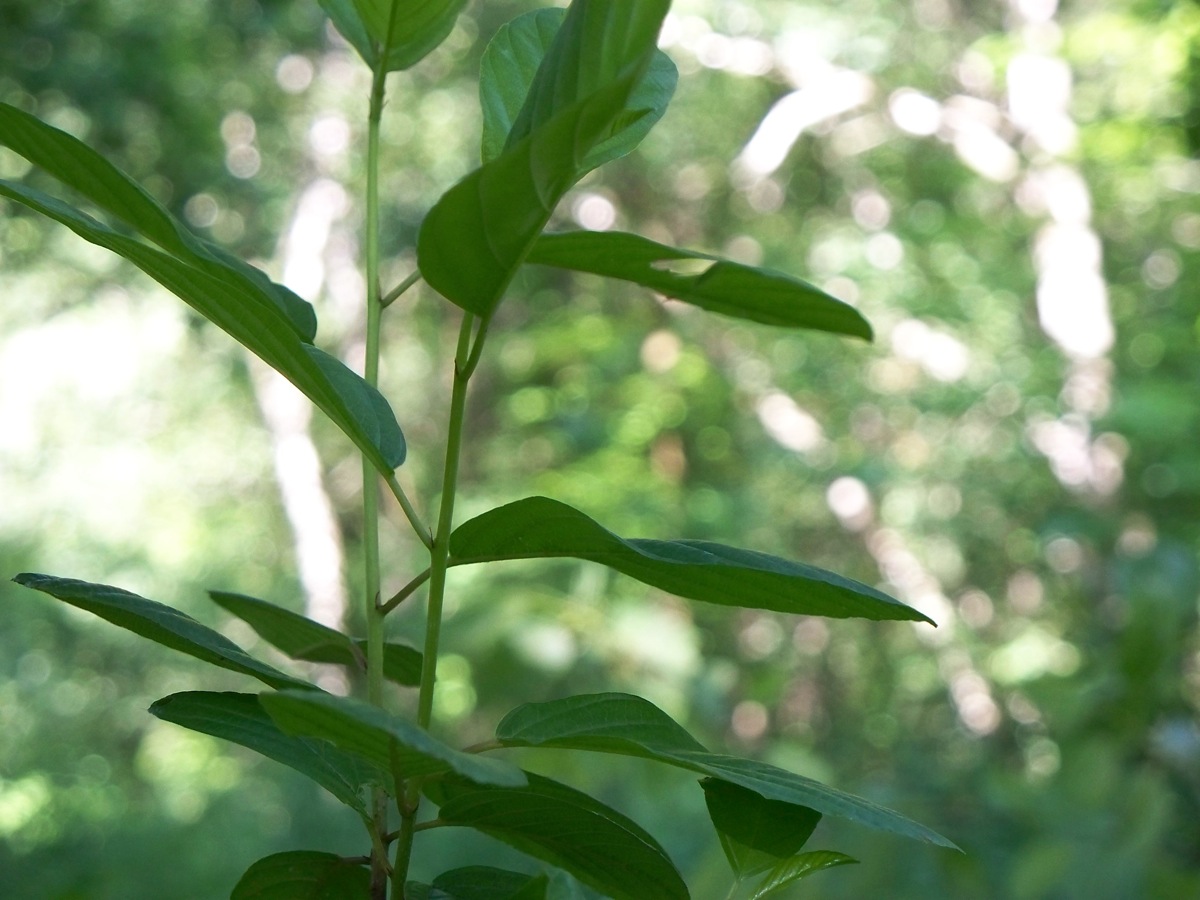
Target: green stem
[414,519]
[439,559]
[398,291]
[439,555]
[371,568]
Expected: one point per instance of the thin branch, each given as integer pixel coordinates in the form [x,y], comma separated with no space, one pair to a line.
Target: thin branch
[398,291]
[410,512]
[404,593]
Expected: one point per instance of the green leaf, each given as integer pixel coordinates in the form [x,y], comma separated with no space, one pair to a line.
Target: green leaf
[756,833]
[631,726]
[419,26]
[353,405]
[510,63]
[304,875]
[302,638]
[266,318]
[407,30]
[80,168]
[732,289]
[566,828]
[389,742]
[240,718]
[538,527]
[792,870]
[477,235]
[346,19]
[486,883]
[162,624]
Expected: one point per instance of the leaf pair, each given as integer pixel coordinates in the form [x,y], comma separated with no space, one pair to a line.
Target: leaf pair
[266,318]
[478,234]
[557,102]
[759,835]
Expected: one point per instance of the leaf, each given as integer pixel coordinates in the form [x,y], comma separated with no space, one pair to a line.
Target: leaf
[389,742]
[631,726]
[568,829]
[302,638]
[304,875]
[240,718]
[486,883]
[507,71]
[266,318]
[729,288]
[538,527]
[407,30]
[162,624]
[476,236]
[419,27]
[80,168]
[792,870]
[756,833]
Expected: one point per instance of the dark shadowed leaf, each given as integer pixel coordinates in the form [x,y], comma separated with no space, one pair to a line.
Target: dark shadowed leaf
[304,875]
[538,527]
[729,288]
[162,624]
[302,638]
[756,833]
[241,719]
[568,829]
[486,883]
[631,726]
[510,63]
[477,234]
[387,741]
[266,318]
[789,871]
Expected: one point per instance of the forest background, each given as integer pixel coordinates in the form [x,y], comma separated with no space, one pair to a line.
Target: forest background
[1010,193]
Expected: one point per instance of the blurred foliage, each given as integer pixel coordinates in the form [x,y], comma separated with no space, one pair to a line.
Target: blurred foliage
[1043,507]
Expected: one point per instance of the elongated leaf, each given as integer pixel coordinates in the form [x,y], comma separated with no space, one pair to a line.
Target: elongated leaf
[82,169]
[631,726]
[486,883]
[162,624]
[302,638]
[596,45]
[240,718]
[387,741]
[354,406]
[732,289]
[538,527]
[507,72]
[304,875]
[265,317]
[568,829]
[756,833]
[478,233]
[792,870]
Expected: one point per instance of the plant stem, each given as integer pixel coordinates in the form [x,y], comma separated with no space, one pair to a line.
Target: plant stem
[465,359]
[371,573]
[439,555]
